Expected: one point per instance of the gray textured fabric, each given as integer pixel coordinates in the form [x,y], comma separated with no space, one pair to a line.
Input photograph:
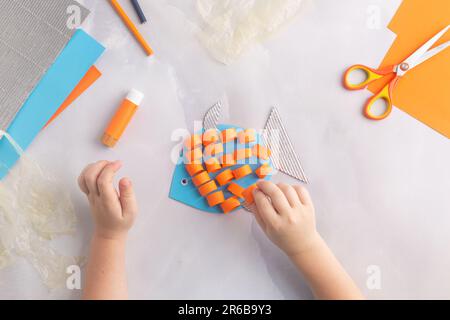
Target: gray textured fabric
[32,35]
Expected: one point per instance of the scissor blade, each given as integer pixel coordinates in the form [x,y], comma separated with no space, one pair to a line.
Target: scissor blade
[418,55]
[430,54]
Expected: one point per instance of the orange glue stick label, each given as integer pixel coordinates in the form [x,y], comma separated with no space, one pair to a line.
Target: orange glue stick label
[122,118]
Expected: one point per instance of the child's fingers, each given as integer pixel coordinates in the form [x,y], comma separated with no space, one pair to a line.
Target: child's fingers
[290,193]
[303,195]
[90,176]
[127,198]
[82,185]
[259,220]
[254,210]
[277,196]
[82,179]
[265,210]
[105,180]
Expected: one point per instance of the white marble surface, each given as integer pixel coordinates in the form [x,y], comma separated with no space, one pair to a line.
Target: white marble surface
[381,189]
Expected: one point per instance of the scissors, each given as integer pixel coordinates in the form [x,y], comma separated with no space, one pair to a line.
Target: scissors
[399,70]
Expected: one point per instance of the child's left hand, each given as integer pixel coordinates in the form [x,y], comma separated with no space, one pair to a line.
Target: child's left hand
[114,212]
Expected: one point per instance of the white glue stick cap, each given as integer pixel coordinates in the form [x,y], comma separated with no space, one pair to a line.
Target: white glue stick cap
[135,97]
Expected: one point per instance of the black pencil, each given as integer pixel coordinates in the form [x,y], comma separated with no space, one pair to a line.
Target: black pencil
[139,11]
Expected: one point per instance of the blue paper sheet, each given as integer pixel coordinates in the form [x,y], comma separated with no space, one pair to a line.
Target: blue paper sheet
[78,56]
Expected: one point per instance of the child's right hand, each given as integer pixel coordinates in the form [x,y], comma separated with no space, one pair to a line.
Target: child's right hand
[114,211]
[286,214]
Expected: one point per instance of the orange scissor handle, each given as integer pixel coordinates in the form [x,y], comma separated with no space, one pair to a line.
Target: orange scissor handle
[371,76]
[383,95]
[386,95]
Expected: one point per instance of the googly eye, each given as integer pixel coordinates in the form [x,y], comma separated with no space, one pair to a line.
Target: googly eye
[184,182]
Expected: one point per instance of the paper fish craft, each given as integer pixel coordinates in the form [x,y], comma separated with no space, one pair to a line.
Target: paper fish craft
[219,166]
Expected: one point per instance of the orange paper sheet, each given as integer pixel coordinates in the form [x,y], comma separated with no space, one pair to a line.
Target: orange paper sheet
[89,78]
[424,93]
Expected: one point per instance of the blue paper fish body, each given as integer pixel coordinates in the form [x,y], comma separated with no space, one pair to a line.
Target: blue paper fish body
[184,190]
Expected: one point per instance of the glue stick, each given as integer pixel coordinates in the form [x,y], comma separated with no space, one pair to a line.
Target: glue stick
[122,118]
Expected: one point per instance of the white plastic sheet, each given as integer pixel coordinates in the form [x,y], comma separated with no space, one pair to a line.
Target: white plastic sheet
[231,26]
[35,209]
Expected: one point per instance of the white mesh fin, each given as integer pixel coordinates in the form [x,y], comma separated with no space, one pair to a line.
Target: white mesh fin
[211,119]
[283,156]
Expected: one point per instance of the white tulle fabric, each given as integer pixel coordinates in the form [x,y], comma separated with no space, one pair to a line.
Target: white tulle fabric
[34,209]
[231,26]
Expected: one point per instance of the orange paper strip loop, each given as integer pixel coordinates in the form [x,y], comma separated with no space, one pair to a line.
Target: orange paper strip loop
[194,156]
[210,136]
[224,177]
[228,135]
[247,136]
[263,171]
[215,198]
[236,190]
[230,205]
[248,194]
[207,188]
[242,154]
[228,160]
[213,165]
[194,168]
[241,172]
[261,152]
[193,142]
[213,149]
[201,178]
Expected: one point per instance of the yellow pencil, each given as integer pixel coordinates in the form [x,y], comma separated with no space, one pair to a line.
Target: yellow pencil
[132,27]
